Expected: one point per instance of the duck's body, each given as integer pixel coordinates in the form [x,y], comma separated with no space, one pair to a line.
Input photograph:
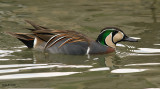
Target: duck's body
[70,42]
[76,48]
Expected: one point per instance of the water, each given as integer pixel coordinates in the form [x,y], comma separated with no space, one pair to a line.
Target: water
[132,66]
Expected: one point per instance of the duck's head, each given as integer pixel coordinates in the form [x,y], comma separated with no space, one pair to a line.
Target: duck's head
[110,36]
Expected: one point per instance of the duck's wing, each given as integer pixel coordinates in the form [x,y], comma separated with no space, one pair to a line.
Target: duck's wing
[51,37]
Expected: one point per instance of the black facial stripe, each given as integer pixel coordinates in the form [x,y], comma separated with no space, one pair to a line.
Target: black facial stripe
[113,34]
[122,38]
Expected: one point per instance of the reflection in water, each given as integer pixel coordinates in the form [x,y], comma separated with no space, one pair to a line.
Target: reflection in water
[152,5]
[156,44]
[4,59]
[136,54]
[55,66]
[59,61]
[4,53]
[20,65]
[9,71]
[15,59]
[132,51]
[147,50]
[42,67]
[143,64]
[127,70]
[136,38]
[36,75]
[23,46]
[121,45]
[99,69]
[112,62]
[109,61]
[153,10]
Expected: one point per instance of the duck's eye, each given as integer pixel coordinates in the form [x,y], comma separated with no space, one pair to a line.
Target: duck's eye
[118,36]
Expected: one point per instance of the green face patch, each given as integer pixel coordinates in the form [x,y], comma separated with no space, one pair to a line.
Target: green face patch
[101,38]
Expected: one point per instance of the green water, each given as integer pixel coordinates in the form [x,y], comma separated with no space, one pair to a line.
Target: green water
[132,66]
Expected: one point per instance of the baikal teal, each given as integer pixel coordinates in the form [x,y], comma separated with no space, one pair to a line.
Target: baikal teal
[71,42]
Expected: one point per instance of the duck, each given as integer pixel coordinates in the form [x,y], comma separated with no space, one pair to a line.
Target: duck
[71,42]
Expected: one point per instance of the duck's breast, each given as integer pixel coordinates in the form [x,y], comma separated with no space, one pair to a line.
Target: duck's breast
[97,48]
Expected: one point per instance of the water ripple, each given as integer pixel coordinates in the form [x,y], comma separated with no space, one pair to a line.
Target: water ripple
[127,70]
[36,75]
[143,64]
[147,50]
[37,66]
[99,69]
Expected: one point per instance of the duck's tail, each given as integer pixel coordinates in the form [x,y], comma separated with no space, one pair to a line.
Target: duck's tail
[26,38]
[36,27]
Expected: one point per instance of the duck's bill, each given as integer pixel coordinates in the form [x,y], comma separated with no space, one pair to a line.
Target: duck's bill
[130,39]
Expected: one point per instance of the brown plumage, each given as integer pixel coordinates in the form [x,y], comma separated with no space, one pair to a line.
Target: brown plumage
[50,36]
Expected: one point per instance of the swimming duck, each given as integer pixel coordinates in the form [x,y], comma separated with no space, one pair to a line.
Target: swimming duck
[71,42]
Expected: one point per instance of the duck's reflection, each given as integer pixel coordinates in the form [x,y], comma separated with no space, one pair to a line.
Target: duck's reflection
[40,57]
[110,61]
[153,11]
[113,62]
[107,60]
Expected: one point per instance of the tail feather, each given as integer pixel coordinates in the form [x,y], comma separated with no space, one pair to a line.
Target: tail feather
[28,43]
[27,39]
[37,27]
[31,29]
